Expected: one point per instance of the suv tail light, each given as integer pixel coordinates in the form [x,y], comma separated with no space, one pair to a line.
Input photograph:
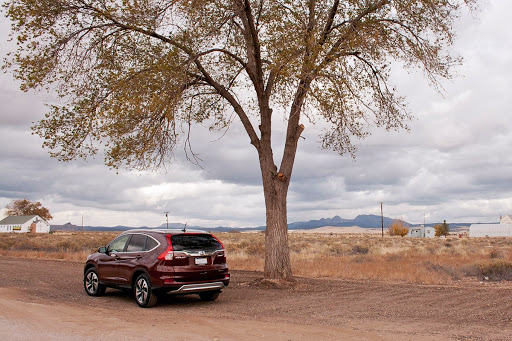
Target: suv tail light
[168,254]
[219,257]
[219,242]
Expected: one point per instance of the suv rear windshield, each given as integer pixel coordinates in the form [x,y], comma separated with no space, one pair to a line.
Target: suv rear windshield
[195,242]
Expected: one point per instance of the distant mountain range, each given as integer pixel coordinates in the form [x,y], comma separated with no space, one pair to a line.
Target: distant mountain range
[364,221]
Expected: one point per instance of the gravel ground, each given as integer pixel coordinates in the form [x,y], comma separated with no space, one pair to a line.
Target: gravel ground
[45,300]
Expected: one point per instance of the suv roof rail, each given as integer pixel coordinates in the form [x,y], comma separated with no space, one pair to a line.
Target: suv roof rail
[160,230]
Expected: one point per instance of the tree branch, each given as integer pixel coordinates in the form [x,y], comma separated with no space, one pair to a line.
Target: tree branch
[234,103]
[329,22]
[226,52]
[354,24]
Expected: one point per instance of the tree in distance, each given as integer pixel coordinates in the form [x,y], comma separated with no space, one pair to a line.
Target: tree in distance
[398,228]
[135,76]
[442,229]
[27,207]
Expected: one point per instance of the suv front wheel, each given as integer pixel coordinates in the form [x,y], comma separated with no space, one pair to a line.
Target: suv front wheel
[144,296]
[91,283]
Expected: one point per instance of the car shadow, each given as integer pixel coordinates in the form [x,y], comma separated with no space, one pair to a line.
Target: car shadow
[185,301]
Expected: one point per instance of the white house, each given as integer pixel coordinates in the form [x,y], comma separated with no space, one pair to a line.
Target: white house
[503,229]
[421,232]
[24,224]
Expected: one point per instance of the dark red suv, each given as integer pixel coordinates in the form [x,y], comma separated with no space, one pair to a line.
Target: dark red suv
[155,262]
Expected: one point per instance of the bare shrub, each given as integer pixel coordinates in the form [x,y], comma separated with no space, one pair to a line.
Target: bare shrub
[495,253]
[361,258]
[255,249]
[359,249]
[305,246]
[443,270]
[471,270]
[337,249]
[394,257]
[432,249]
[496,270]
[245,262]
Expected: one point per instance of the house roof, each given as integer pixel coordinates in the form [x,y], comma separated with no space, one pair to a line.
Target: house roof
[505,219]
[17,219]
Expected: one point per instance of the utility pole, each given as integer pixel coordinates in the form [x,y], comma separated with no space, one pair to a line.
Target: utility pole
[382,220]
[82,223]
[167,217]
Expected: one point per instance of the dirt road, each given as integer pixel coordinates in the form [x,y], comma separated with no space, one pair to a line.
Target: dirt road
[44,300]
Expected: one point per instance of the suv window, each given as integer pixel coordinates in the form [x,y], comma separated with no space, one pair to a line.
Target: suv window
[118,244]
[150,244]
[137,243]
[194,242]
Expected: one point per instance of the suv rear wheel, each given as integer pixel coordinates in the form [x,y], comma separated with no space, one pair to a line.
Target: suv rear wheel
[144,296]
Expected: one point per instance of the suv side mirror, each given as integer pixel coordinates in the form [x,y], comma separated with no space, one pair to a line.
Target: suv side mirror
[102,249]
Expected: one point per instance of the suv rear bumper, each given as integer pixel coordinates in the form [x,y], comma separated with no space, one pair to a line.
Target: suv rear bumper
[193,288]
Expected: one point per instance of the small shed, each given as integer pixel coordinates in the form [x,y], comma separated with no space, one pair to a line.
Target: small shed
[24,224]
[422,232]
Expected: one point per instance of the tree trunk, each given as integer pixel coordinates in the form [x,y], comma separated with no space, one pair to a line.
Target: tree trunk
[275,188]
[277,252]
[276,183]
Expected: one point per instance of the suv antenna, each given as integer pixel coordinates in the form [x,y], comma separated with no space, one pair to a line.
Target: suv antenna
[185,228]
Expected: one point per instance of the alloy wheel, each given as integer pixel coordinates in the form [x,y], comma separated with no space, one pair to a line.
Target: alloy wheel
[91,282]
[141,291]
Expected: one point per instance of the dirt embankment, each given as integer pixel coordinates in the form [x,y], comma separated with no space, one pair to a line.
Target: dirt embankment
[44,300]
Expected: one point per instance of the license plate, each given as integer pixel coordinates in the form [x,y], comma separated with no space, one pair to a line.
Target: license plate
[201,261]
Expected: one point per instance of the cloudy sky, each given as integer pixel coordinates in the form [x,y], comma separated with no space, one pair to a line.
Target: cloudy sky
[454,164]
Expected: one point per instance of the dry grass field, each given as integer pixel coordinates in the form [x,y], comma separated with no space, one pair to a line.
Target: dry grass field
[329,255]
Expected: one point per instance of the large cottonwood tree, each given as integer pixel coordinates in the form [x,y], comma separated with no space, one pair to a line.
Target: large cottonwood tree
[135,75]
